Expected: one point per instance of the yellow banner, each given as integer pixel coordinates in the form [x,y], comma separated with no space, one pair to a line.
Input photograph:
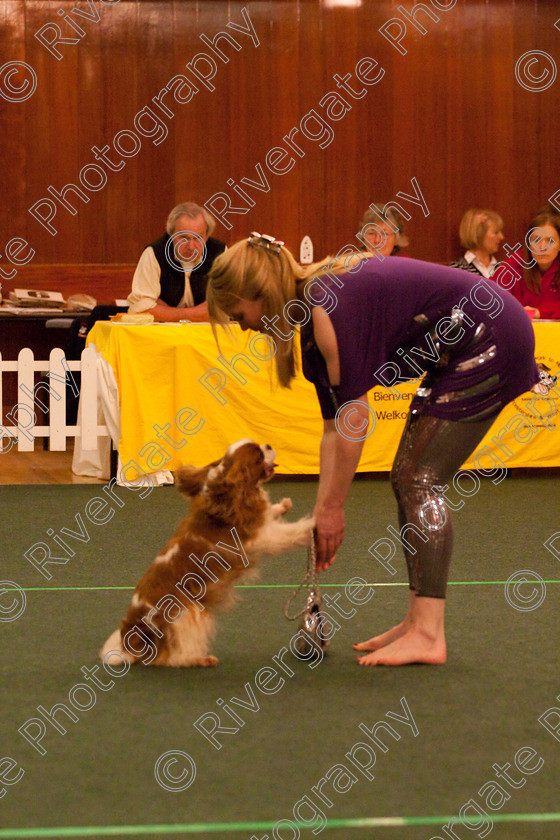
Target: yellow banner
[183,400]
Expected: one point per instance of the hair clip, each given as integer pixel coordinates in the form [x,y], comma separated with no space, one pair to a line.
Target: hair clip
[265,241]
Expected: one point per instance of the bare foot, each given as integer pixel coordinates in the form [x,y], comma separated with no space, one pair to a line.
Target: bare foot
[384,639]
[395,632]
[413,646]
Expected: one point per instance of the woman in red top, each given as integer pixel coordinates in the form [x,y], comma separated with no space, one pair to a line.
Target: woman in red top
[537,285]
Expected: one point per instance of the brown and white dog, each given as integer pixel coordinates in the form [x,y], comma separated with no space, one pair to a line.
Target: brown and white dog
[231,523]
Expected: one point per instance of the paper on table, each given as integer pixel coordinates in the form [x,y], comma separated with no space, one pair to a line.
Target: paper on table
[8,309]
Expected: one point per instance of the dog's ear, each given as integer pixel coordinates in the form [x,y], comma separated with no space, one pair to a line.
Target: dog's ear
[243,474]
[233,486]
[189,481]
[246,465]
[233,494]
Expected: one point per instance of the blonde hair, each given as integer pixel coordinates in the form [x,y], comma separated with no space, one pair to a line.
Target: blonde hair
[474,227]
[253,272]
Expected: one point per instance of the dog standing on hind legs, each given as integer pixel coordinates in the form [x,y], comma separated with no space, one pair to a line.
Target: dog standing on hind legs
[231,524]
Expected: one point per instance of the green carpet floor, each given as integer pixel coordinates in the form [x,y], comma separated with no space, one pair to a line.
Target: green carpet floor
[480,709]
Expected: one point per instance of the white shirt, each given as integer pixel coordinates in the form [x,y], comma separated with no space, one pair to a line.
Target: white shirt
[146,286]
[485,270]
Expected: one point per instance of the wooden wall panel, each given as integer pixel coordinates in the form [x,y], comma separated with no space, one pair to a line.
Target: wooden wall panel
[449,113]
[13,115]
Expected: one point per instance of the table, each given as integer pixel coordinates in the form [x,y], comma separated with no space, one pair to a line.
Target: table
[184,401]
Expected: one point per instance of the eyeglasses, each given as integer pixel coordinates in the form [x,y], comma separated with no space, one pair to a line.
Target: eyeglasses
[379,232]
[265,241]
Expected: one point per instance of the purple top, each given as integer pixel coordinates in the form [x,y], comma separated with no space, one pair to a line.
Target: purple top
[393,321]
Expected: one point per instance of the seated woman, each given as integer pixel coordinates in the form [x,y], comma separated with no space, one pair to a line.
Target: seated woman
[538,269]
[382,233]
[481,234]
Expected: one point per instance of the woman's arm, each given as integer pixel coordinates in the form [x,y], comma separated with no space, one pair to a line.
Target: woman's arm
[340,455]
[340,449]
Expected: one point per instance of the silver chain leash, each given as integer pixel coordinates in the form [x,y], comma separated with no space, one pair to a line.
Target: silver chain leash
[311,640]
[309,581]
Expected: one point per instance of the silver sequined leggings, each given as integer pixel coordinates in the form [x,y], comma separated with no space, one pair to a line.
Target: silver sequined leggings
[430,452]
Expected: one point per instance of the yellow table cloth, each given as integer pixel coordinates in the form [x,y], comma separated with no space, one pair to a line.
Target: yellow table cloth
[180,404]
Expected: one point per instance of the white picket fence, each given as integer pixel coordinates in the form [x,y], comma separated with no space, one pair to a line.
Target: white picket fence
[34,398]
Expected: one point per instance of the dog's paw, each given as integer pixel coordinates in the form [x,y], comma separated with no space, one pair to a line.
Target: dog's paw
[207,661]
[285,505]
[197,662]
[310,524]
[303,533]
[280,508]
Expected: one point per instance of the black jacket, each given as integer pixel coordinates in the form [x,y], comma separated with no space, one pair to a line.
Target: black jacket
[173,277]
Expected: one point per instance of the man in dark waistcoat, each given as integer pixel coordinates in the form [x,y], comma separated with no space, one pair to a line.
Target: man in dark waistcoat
[172,272]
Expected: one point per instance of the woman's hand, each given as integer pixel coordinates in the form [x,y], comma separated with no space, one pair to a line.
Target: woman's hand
[329,533]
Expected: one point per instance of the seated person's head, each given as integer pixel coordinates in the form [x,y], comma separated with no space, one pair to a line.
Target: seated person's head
[382,232]
[190,226]
[480,231]
[543,237]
